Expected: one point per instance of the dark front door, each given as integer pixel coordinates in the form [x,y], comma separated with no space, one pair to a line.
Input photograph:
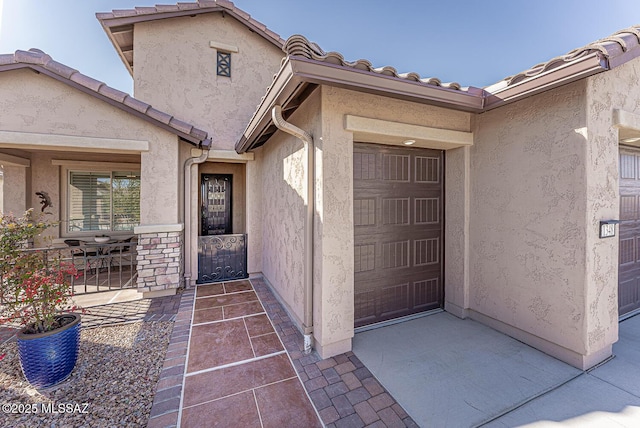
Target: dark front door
[222,255]
[398,212]
[216,204]
[629,251]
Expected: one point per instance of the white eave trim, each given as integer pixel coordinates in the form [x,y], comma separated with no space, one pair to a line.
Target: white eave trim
[71,143]
[228,156]
[501,93]
[628,125]
[396,133]
[625,119]
[311,71]
[10,160]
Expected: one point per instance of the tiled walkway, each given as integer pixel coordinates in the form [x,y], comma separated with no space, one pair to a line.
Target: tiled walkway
[236,371]
[233,370]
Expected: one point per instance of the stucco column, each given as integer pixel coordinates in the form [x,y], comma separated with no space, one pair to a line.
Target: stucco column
[254,203]
[160,233]
[456,259]
[15,191]
[333,276]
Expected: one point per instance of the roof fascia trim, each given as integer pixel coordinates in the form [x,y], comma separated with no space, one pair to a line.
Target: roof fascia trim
[296,71]
[585,67]
[334,75]
[109,101]
[112,39]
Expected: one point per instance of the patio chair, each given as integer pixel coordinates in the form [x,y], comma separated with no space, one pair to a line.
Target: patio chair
[122,252]
[77,250]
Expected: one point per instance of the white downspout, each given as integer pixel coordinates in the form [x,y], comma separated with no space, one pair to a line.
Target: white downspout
[188,171]
[305,137]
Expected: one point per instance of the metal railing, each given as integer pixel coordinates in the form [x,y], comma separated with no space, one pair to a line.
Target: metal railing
[100,267]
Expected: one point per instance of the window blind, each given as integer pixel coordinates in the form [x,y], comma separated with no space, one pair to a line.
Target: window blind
[106,201]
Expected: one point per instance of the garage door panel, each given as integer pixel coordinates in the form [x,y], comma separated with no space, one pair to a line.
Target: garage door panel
[398,232]
[628,295]
[387,300]
[427,293]
[629,232]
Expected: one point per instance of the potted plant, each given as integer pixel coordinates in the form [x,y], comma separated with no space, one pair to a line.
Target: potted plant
[35,292]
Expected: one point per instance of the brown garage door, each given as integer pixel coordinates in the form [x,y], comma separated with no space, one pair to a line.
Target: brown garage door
[398,213]
[629,252]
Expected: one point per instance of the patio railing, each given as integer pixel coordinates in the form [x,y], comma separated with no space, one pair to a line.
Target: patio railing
[100,267]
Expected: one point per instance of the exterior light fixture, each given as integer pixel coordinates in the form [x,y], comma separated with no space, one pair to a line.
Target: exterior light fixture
[408,142]
[608,228]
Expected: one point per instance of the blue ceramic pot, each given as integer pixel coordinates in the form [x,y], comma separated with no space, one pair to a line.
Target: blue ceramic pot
[49,358]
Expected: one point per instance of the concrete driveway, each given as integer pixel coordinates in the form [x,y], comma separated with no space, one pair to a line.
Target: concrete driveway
[448,372]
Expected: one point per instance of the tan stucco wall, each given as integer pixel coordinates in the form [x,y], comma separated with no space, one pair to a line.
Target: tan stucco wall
[254,202]
[175,71]
[283,163]
[31,103]
[456,230]
[14,190]
[532,248]
[615,89]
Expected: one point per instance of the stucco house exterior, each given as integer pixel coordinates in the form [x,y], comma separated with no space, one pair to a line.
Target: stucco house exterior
[361,195]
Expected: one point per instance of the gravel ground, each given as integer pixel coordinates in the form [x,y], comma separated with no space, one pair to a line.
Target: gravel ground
[112,384]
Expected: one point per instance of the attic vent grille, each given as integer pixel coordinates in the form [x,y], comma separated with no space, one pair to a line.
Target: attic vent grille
[224,64]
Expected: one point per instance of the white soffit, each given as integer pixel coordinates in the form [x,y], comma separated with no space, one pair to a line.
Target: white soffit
[10,160]
[628,125]
[395,133]
[71,143]
[229,156]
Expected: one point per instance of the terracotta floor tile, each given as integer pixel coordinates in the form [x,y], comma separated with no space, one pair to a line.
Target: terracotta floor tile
[226,299]
[231,380]
[242,310]
[213,345]
[267,344]
[235,411]
[209,290]
[206,315]
[291,409]
[232,287]
[258,325]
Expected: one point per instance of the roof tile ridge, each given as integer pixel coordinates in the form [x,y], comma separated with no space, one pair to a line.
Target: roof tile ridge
[32,56]
[299,45]
[609,47]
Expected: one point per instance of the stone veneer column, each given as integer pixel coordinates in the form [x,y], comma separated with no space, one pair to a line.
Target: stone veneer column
[159,259]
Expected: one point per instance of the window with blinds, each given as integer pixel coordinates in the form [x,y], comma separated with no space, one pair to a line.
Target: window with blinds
[104,201]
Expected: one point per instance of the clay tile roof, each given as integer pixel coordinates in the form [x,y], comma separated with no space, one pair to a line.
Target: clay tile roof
[118,24]
[298,45]
[43,63]
[616,49]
